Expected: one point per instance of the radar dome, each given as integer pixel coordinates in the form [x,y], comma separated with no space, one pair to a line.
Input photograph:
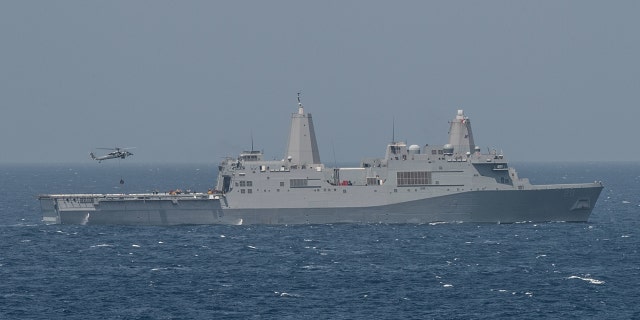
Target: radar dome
[414,149]
[448,149]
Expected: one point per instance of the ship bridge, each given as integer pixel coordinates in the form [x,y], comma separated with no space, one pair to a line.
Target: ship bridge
[253,155]
[396,151]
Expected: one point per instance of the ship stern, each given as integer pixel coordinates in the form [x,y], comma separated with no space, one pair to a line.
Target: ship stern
[49,210]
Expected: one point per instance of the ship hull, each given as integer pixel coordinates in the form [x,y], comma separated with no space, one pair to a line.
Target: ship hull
[571,204]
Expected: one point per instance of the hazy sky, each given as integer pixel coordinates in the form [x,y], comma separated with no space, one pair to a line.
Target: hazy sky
[192,81]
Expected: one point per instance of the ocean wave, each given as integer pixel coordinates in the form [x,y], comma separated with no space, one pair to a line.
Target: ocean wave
[590,280]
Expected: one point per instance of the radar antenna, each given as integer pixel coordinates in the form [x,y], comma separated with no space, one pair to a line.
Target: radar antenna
[300,107]
[393,129]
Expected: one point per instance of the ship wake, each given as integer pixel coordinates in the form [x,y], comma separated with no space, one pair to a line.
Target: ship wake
[85,220]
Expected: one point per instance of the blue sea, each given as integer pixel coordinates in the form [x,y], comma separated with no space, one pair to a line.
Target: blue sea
[343,271]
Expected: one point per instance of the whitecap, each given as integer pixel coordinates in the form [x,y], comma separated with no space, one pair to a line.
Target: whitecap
[102,245]
[625,202]
[286,294]
[590,280]
[135,245]
[251,247]
[158,269]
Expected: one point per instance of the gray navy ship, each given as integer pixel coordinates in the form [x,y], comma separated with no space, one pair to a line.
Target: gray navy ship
[454,182]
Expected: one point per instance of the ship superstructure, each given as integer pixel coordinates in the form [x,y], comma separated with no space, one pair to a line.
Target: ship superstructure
[410,184]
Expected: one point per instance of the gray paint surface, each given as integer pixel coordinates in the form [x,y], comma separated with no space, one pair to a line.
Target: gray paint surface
[411,184]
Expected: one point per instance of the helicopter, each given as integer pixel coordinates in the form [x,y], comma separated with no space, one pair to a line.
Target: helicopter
[116,153]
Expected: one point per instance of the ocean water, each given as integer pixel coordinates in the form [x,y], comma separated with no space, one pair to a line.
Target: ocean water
[342,271]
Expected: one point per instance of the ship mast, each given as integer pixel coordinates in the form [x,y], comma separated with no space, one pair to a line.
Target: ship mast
[460,134]
[302,147]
